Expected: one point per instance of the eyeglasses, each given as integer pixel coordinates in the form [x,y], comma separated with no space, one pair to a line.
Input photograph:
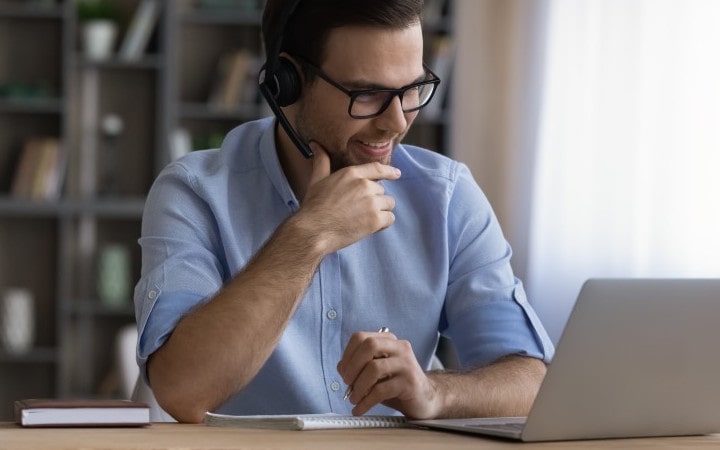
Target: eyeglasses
[369,103]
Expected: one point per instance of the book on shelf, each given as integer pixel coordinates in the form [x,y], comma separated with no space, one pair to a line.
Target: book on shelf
[139,31]
[234,81]
[40,412]
[40,170]
[304,421]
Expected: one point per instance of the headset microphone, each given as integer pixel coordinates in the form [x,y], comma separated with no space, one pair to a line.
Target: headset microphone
[266,92]
[280,83]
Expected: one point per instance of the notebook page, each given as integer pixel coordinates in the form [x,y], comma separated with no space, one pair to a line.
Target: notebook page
[304,421]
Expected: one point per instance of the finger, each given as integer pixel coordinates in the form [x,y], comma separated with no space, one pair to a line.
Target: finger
[382,391]
[385,203]
[385,220]
[373,372]
[375,171]
[363,348]
[321,163]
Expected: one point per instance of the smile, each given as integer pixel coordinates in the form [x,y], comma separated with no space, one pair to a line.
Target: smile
[376,145]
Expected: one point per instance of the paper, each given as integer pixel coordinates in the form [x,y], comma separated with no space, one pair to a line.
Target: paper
[304,421]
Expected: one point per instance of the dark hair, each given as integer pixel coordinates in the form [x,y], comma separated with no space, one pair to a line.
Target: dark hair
[307,29]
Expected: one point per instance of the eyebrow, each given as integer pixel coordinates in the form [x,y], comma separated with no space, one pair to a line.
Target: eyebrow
[365,85]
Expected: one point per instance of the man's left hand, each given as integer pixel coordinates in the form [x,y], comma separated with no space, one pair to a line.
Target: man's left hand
[383,369]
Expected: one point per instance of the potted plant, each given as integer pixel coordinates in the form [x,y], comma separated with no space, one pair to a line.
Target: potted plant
[99,29]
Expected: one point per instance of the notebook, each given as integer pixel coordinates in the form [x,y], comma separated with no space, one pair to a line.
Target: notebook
[39,412]
[637,358]
[304,421]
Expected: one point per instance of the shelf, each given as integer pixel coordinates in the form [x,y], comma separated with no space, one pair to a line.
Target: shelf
[148,62]
[28,10]
[95,308]
[204,111]
[39,355]
[101,207]
[31,105]
[10,206]
[222,17]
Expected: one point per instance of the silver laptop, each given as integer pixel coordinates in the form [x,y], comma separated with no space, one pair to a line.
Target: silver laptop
[637,358]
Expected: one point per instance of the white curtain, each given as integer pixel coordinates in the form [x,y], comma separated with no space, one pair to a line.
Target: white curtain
[627,172]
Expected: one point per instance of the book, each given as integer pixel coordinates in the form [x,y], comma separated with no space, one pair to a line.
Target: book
[231,80]
[140,29]
[305,421]
[38,412]
[40,170]
[27,168]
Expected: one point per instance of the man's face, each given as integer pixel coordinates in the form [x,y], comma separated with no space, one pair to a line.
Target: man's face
[361,58]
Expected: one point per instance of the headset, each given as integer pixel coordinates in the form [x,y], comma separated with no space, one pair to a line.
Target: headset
[279,81]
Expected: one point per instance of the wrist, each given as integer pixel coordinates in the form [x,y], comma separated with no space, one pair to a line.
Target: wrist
[441,395]
[305,233]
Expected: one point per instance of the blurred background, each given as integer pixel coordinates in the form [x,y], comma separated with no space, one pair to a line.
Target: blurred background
[590,125]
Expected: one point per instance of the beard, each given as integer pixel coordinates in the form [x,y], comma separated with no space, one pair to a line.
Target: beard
[328,136]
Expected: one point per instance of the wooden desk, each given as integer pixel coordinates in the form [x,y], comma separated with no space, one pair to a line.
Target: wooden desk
[175,436]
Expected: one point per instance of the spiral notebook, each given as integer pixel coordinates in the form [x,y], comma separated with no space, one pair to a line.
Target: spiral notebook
[304,421]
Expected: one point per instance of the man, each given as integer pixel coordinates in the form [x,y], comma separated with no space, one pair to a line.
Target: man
[266,276]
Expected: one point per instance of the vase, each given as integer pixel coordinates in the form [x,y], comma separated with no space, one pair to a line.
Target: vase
[17,320]
[98,38]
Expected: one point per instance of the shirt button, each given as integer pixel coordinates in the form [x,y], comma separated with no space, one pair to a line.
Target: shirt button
[335,386]
[152,294]
[332,314]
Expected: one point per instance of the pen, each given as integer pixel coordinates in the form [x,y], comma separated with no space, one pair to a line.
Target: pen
[348,391]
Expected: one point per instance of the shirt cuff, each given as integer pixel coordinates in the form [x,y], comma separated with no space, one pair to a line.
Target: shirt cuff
[160,321]
[492,330]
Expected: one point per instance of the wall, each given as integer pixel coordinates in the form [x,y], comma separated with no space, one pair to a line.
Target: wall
[497,70]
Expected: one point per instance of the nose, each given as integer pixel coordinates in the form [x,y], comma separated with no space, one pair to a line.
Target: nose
[393,119]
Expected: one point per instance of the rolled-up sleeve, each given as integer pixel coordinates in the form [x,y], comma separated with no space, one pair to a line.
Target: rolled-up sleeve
[180,268]
[488,330]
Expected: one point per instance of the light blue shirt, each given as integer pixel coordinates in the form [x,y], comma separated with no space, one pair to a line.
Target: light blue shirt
[443,267]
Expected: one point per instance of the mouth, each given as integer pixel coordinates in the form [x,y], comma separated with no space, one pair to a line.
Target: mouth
[375,149]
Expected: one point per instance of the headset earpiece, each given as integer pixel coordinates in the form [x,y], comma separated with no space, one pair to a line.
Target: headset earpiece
[288,83]
[280,82]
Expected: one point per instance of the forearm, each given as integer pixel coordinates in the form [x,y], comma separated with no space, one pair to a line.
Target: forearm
[503,389]
[217,349]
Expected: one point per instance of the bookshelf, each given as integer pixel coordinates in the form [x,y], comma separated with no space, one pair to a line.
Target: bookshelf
[52,245]
[118,121]
[206,37]
[34,100]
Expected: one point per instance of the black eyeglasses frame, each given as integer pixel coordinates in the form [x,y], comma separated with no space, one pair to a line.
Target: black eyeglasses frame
[392,93]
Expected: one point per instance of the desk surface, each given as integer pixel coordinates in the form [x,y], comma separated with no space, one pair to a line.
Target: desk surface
[177,436]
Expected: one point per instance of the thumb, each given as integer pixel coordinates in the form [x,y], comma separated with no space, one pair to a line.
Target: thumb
[321,163]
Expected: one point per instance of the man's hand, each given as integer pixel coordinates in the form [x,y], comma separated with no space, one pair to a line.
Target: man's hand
[349,204]
[383,369]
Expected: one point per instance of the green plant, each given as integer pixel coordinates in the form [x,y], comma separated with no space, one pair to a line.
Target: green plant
[96,10]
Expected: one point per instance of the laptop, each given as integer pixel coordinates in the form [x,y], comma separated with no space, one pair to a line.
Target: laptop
[637,358]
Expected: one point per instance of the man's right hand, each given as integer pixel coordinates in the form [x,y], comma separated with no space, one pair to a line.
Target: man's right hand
[348,205]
